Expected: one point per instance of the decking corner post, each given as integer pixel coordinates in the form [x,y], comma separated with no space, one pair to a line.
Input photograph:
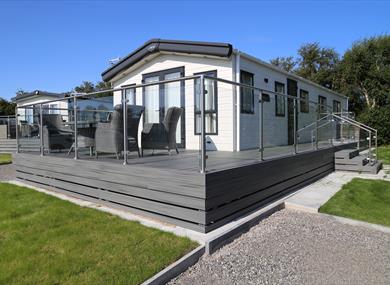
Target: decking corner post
[41,130]
[369,147]
[262,126]
[125,139]
[17,130]
[318,117]
[76,149]
[8,128]
[295,126]
[203,127]
[376,145]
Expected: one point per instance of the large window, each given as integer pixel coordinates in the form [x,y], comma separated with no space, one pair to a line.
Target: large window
[211,105]
[304,101]
[247,94]
[322,105]
[280,101]
[336,106]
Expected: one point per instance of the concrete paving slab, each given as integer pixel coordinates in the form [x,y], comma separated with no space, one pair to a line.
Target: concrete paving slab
[313,196]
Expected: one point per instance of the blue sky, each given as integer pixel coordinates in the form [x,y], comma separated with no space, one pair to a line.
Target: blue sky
[55,45]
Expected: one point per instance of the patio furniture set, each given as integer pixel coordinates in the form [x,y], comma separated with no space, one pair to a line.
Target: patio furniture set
[108,136]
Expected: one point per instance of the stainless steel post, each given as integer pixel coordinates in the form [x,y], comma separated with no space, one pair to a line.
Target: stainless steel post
[76,150]
[17,129]
[295,126]
[125,136]
[262,126]
[8,128]
[318,118]
[41,130]
[203,127]
[376,145]
[369,147]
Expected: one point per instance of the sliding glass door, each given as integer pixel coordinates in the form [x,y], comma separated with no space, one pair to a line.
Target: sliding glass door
[159,98]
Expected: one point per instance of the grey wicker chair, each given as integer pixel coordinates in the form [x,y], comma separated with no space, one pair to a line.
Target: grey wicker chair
[109,136]
[162,135]
[55,134]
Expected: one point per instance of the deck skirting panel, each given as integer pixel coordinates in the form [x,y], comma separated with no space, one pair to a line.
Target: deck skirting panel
[202,202]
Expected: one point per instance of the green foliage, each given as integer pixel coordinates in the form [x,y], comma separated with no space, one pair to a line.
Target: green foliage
[88,87]
[45,240]
[384,154]
[5,158]
[361,199]
[317,64]
[364,73]
[6,107]
[285,63]
[378,118]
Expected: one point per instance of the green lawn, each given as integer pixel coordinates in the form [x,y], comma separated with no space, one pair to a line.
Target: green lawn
[5,158]
[362,199]
[384,154]
[45,240]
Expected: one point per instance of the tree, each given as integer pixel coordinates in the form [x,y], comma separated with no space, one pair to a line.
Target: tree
[85,87]
[318,64]
[6,107]
[364,73]
[285,63]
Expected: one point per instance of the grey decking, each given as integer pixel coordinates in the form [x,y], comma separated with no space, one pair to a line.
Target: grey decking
[170,188]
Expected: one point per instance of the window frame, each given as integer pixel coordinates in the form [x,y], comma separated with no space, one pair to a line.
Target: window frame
[339,104]
[214,111]
[128,87]
[243,111]
[304,103]
[323,107]
[276,99]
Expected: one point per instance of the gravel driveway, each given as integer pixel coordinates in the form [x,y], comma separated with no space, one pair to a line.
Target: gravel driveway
[293,247]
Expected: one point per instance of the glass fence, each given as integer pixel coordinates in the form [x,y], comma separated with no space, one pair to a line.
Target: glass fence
[175,123]
[7,127]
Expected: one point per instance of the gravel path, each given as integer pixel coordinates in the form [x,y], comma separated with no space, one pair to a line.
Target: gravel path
[293,247]
[7,172]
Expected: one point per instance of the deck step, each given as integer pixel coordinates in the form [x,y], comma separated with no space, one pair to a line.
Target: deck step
[368,168]
[357,160]
[346,153]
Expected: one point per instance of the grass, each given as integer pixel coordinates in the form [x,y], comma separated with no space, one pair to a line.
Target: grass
[362,199]
[5,158]
[384,154]
[45,240]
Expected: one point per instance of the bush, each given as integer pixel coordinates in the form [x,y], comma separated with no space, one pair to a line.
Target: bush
[379,119]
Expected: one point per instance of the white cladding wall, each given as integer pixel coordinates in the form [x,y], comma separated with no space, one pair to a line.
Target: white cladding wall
[192,65]
[275,128]
[62,105]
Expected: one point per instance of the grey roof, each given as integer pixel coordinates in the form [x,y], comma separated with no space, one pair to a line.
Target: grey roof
[158,45]
[37,93]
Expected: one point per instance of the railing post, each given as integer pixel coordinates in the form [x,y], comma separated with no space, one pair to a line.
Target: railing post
[8,128]
[261,126]
[318,118]
[376,145]
[41,148]
[16,130]
[203,126]
[295,125]
[369,147]
[76,150]
[125,136]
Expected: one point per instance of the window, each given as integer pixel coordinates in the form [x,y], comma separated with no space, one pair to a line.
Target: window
[130,94]
[322,105]
[211,105]
[336,106]
[247,94]
[304,101]
[280,101]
